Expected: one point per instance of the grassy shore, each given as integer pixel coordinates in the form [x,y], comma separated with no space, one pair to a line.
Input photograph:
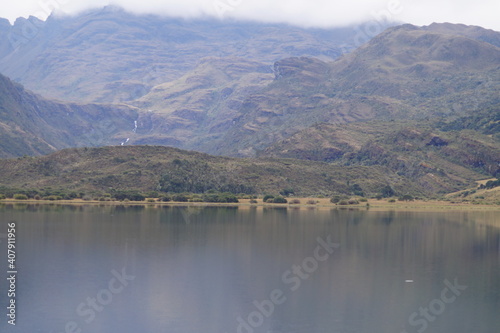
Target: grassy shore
[371,204]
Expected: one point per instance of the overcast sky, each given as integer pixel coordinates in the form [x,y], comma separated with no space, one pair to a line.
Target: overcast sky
[319,13]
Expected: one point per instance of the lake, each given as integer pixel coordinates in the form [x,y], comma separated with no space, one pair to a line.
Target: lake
[179,269]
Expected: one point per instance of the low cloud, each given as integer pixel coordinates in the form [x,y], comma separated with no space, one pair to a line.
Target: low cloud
[309,13]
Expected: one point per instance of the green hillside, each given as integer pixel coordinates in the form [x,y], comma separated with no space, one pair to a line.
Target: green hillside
[439,160]
[150,168]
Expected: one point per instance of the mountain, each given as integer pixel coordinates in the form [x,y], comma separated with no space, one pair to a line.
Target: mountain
[421,104]
[437,158]
[95,171]
[235,107]
[196,109]
[405,72]
[469,31]
[110,55]
[32,125]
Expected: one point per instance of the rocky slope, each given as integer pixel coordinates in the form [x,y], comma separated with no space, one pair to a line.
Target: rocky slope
[235,107]
[32,125]
[196,109]
[404,73]
[429,154]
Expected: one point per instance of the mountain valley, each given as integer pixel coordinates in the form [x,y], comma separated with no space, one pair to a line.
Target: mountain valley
[421,104]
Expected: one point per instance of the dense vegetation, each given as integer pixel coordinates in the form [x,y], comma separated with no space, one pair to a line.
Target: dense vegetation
[140,172]
[442,162]
[490,184]
[199,177]
[137,171]
[487,121]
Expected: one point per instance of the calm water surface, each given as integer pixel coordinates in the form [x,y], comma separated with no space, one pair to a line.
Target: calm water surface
[223,270]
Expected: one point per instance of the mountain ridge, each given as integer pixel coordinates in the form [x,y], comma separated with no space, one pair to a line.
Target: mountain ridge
[234,106]
[378,80]
[32,125]
[109,55]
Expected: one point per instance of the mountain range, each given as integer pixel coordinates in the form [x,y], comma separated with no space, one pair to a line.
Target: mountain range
[110,55]
[421,102]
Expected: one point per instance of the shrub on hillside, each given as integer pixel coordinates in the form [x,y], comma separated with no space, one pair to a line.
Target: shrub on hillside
[406,197]
[387,191]
[130,195]
[54,197]
[335,199]
[165,198]
[228,197]
[200,177]
[279,200]
[490,184]
[152,194]
[287,192]
[267,197]
[220,197]
[357,190]
[180,198]
[19,196]
[137,197]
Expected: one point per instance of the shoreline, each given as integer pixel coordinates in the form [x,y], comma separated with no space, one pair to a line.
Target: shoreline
[322,203]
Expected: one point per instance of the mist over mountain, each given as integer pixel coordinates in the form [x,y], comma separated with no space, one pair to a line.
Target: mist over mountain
[110,55]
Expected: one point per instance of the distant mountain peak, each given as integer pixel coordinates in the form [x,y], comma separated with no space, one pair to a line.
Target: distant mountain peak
[111,53]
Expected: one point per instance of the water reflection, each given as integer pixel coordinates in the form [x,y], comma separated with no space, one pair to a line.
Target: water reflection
[204,269]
